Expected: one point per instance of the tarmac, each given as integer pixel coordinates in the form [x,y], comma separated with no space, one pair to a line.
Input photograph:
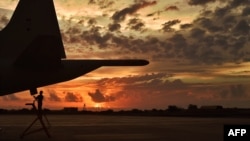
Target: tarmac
[114,128]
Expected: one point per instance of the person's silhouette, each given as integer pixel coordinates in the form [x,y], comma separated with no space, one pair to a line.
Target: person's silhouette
[39,100]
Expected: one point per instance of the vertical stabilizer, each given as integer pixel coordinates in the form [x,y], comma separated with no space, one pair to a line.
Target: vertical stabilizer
[32,37]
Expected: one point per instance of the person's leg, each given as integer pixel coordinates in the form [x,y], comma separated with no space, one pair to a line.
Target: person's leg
[39,109]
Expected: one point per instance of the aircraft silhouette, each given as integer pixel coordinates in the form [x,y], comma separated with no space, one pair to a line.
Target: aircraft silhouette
[32,53]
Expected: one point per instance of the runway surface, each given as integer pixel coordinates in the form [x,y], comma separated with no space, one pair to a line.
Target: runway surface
[114,128]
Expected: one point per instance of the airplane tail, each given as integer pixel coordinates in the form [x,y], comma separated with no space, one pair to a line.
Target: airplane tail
[32,37]
[31,42]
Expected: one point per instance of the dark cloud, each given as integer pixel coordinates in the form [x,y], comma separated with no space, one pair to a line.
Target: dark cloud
[95,37]
[73,34]
[207,23]
[158,13]
[136,24]
[53,96]
[92,2]
[102,3]
[92,21]
[154,13]
[200,2]
[185,26]
[242,27]
[220,12]
[236,3]
[171,8]
[150,14]
[215,37]
[167,26]
[114,27]
[99,97]
[246,11]
[120,16]
[197,33]
[117,42]
[73,30]
[71,97]
[218,35]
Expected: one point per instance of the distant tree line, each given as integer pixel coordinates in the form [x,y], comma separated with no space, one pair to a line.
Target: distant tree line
[172,110]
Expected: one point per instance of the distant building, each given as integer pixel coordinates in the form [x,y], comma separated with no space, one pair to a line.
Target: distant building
[173,108]
[192,107]
[70,109]
[211,107]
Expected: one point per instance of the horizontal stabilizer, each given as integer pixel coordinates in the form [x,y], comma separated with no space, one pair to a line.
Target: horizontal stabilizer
[118,62]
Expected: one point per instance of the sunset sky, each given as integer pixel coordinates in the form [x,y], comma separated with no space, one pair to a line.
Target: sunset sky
[199,53]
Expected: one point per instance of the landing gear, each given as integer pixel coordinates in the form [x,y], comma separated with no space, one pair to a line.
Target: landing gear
[40,117]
